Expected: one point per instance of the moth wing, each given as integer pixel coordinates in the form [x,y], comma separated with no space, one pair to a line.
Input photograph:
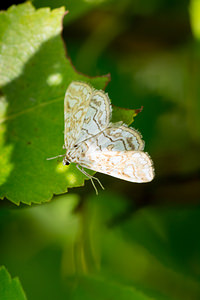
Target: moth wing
[76,102]
[97,117]
[118,138]
[134,166]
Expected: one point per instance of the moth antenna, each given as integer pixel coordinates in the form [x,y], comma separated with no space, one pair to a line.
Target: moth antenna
[61,155]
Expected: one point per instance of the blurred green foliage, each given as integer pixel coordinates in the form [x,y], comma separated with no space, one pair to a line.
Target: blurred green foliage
[101,250]
[132,241]
[10,288]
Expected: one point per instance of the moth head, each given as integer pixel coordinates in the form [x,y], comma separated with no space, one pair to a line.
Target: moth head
[66,161]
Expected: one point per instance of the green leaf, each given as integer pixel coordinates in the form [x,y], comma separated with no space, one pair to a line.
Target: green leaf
[34,76]
[10,288]
[127,115]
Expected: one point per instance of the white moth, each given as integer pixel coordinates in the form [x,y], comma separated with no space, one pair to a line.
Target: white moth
[93,142]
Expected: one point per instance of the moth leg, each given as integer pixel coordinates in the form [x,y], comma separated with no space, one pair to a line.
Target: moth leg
[96,191]
[61,155]
[91,178]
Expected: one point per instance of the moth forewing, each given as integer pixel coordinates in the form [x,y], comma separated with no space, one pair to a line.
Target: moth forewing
[76,104]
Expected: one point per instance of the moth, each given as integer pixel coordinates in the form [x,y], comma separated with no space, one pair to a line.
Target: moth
[93,142]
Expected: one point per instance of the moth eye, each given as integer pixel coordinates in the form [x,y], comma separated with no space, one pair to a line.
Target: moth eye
[66,163]
[75,146]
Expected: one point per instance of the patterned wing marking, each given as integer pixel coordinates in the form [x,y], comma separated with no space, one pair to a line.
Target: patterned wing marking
[97,117]
[76,102]
[119,138]
[113,138]
[134,166]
